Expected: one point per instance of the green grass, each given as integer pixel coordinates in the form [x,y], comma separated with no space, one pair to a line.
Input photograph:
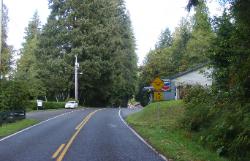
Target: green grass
[10,128]
[158,123]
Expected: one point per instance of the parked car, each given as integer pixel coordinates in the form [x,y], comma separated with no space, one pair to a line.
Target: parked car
[71,104]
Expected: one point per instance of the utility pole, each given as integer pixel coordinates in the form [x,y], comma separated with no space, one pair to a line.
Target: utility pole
[1,19]
[76,78]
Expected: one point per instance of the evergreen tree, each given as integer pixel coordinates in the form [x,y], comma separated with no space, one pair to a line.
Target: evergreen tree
[7,50]
[199,45]
[165,39]
[181,38]
[27,66]
[99,33]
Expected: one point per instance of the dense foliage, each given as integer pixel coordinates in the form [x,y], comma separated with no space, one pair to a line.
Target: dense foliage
[221,115]
[27,65]
[220,123]
[13,95]
[188,46]
[218,115]
[99,33]
[32,105]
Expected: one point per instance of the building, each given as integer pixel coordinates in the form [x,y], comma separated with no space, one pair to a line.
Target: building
[200,75]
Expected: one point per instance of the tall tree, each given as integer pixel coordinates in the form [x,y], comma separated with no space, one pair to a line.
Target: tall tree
[230,59]
[165,39]
[232,48]
[181,36]
[165,61]
[7,50]
[199,45]
[126,62]
[27,65]
[99,33]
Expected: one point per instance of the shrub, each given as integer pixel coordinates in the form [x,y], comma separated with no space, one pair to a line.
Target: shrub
[230,133]
[13,95]
[54,105]
[32,105]
[222,123]
[198,106]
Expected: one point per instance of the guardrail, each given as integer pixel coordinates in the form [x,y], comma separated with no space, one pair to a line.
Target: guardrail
[11,116]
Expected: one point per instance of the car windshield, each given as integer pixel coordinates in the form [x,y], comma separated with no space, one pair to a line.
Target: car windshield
[71,102]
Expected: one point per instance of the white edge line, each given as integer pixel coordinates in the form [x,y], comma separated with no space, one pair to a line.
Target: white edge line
[144,141]
[40,123]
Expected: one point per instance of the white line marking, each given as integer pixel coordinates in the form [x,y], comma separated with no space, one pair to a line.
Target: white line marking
[145,142]
[35,125]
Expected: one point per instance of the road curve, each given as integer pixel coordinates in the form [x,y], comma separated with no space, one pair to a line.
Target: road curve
[82,135]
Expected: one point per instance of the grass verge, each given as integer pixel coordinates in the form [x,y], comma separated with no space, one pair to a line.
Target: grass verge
[10,128]
[158,123]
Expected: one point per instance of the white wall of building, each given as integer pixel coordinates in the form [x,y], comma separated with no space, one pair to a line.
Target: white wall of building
[200,76]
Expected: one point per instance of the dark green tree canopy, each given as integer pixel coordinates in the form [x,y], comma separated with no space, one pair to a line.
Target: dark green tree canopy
[99,33]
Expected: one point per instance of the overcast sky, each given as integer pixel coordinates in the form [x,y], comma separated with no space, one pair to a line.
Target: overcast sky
[149,18]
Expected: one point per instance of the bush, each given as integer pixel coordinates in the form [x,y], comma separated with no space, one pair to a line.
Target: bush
[13,95]
[219,122]
[230,133]
[198,105]
[32,105]
[54,105]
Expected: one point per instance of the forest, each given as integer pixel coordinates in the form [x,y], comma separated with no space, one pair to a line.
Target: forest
[98,32]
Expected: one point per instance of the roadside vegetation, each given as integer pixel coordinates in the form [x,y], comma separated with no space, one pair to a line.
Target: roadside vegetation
[186,47]
[219,115]
[164,132]
[103,42]
[10,128]
[219,122]
[32,105]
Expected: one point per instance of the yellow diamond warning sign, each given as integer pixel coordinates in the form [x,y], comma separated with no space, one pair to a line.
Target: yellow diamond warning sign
[157,84]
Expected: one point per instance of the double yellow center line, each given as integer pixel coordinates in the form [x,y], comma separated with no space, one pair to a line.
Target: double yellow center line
[64,148]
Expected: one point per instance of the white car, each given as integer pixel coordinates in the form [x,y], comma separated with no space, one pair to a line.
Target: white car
[71,104]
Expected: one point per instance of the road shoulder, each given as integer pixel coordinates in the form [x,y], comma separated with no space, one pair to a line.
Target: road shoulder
[123,113]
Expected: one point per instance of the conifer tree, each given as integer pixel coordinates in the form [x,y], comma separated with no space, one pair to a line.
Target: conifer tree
[99,33]
[27,65]
[6,50]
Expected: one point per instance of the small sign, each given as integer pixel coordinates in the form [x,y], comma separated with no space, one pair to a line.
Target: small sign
[167,87]
[157,84]
[39,103]
[158,96]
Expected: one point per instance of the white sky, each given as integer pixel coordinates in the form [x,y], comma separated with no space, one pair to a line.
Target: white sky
[149,18]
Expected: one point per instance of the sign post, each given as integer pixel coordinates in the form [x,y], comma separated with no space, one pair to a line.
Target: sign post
[158,94]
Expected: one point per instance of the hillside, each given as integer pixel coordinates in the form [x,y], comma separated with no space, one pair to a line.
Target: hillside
[161,129]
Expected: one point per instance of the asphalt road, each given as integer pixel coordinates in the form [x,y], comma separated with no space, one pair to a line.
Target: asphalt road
[78,135]
[42,115]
